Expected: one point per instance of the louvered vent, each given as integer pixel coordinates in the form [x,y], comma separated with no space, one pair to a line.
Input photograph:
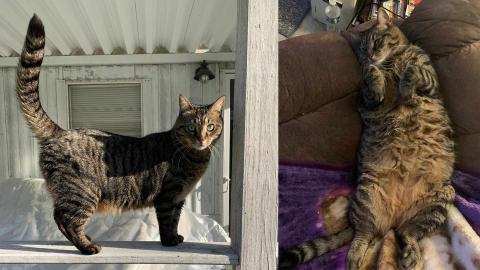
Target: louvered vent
[110,107]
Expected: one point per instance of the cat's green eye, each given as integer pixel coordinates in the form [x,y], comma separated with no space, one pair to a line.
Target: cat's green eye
[210,127]
[191,128]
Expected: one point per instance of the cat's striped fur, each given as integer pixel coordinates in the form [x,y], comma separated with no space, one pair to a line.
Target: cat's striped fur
[405,158]
[88,171]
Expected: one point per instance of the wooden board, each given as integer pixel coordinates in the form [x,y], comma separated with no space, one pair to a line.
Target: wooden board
[123,252]
[254,197]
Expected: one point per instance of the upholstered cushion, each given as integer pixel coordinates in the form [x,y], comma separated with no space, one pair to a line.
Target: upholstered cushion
[319,77]
[449,30]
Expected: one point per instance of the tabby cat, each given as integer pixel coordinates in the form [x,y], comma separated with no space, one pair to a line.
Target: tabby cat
[88,171]
[405,158]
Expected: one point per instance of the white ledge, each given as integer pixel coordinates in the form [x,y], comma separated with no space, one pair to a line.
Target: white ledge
[129,59]
[121,252]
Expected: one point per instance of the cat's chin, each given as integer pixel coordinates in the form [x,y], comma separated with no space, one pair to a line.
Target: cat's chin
[200,147]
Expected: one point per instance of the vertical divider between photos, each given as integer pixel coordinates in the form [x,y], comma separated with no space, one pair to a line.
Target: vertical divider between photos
[254,196]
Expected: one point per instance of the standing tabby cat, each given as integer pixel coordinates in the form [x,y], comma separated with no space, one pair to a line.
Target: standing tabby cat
[88,170]
[405,158]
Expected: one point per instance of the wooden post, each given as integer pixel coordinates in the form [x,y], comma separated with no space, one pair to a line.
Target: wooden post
[254,197]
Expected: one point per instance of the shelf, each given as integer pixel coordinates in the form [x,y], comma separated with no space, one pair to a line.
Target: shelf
[121,252]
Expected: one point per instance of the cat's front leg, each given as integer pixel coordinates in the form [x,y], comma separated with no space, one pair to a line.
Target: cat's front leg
[168,212]
[177,211]
[373,91]
[420,80]
[168,215]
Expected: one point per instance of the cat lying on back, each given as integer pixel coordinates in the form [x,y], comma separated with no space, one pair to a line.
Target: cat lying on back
[88,171]
[405,159]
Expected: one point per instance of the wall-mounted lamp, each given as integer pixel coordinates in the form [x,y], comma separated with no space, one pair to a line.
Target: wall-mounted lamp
[203,74]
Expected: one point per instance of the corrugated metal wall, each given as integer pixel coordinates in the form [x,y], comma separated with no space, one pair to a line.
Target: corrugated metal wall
[161,86]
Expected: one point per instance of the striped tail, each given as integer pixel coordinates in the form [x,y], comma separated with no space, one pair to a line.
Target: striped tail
[315,248]
[28,72]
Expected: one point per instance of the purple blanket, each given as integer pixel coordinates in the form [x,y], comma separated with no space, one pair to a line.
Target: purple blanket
[304,186]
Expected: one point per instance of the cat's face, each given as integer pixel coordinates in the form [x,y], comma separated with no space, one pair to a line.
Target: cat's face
[199,126]
[377,42]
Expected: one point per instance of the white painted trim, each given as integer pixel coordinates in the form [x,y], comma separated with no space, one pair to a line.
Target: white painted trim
[104,81]
[225,76]
[147,116]
[228,72]
[63,104]
[130,59]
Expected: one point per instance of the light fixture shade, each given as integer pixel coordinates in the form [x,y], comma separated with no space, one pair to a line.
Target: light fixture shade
[203,74]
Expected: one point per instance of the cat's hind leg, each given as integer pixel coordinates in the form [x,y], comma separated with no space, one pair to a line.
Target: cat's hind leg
[72,213]
[426,221]
[363,251]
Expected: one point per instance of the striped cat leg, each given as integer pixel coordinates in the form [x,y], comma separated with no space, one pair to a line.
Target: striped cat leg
[165,216]
[366,242]
[363,251]
[168,213]
[177,211]
[418,79]
[425,222]
[71,222]
[373,92]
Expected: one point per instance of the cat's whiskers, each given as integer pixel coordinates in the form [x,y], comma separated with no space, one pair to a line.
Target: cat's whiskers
[213,150]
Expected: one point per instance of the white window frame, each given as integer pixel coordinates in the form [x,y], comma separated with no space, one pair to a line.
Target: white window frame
[63,100]
[106,82]
[225,76]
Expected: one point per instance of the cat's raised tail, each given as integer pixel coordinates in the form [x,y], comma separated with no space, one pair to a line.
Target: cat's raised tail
[311,249]
[28,72]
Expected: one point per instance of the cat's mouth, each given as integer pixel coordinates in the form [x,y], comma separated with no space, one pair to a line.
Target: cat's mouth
[200,146]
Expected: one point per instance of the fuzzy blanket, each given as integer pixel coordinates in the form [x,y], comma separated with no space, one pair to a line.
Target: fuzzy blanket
[303,187]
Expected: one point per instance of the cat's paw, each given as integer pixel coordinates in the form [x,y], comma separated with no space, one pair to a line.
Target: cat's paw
[355,258]
[361,255]
[180,238]
[91,249]
[407,84]
[410,257]
[371,98]
[373,74]
[353,263]
[172,240]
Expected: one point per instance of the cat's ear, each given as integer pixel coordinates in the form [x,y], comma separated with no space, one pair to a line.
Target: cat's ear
[217,106]
[382,17]
[184,103]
